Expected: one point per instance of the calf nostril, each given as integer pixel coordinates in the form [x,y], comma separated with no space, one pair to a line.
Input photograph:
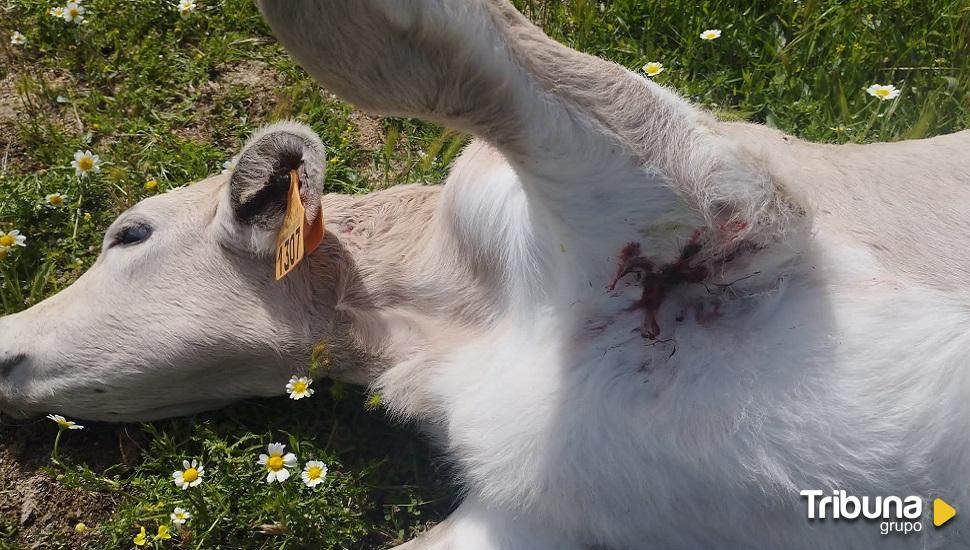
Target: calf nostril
[8,362]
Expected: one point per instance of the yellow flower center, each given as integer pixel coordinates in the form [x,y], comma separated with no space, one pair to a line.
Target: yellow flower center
[314,472]
[56,199]
[299,386]
[190,475]
[85,164]
[73,12]
[6,240]
[882,92]
[151,184]
[275,463]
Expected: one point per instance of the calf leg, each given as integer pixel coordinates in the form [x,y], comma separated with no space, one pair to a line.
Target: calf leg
[569,123]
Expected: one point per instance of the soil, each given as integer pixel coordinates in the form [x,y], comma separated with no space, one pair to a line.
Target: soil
[13,111]
[370,135]
[34,506]
[259,79]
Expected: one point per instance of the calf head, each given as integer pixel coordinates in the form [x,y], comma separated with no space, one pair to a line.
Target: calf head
[181,311]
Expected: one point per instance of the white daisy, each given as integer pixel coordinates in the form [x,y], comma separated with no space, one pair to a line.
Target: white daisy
[190,475]
[314,472]
[186,7]
[57,12]
[84,162]
[54,200]
[883,92]
[180,515]
[653,68]
[73,13]
[711,34]
[299,387]
[276,462]
[10,240]
[64,423]
[17,39]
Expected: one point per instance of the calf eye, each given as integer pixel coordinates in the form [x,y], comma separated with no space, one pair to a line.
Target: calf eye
[133,234]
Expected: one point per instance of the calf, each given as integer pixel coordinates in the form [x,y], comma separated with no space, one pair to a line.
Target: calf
[627,324]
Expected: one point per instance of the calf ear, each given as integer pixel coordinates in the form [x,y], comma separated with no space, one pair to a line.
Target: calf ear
[260,181]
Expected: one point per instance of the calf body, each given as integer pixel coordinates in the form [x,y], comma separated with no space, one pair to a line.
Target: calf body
[627,324]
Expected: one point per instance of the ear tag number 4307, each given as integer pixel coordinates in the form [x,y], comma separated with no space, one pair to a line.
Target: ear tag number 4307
[296,238]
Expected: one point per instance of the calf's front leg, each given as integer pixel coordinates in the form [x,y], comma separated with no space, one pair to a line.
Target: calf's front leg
[574,127]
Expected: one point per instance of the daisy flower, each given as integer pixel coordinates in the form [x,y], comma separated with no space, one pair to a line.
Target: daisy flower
[653,68]
[84,162]
[73,13]
[17,39]
[54,200]
[57,12]
[180,515]
[190,475]
[141,539]
[10,240]
[186,7]
[276,463]
[883,92]
[299,387]
[314,472]
[64,423]
[711,34]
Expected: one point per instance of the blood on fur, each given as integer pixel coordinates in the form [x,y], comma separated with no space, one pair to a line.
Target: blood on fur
[657,282]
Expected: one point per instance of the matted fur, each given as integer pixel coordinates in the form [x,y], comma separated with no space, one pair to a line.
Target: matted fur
[823,349]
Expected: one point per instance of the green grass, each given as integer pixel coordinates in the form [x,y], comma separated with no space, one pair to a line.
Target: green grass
[159,97]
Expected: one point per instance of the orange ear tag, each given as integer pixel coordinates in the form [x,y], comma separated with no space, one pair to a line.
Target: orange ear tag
[296,238]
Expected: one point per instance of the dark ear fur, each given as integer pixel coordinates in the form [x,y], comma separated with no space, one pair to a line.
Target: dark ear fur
[261,177]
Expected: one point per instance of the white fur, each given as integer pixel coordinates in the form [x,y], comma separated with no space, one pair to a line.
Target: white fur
[838,377]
